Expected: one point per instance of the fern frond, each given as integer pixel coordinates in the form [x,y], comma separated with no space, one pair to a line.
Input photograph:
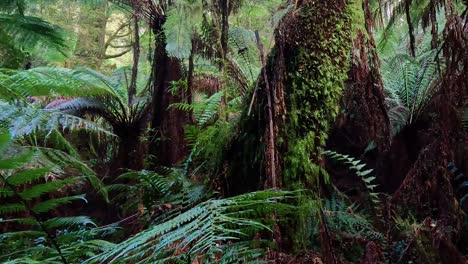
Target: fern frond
[69,221]
[183,19]
[359,168]
[37,190]
[201,232]
[54,203]
[43,241]
[33,34]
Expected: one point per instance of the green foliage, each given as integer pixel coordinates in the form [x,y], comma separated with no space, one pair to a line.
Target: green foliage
[87,92]
[409,85]
[183,21]
[21,34]
[204,110]
[27,200]
[215,231]
[23,119]
[207,145]
[32,33]
[359,167]
[343,218]
[157,190]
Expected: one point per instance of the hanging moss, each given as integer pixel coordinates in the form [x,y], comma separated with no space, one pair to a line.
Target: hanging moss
[316,76]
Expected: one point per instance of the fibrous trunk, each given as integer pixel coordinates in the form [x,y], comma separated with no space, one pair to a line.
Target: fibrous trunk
[305,79]
[168,146]
[428,187]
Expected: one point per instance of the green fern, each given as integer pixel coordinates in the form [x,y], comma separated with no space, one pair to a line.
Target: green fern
[343,218]
[58,239]
[409,84]
[215,231]
[205,110]
[359,167]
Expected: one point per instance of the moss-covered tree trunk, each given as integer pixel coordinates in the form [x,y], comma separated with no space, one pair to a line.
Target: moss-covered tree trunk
[363,127]
[305,73]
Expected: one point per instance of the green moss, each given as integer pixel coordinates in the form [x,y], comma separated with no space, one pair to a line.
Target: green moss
[316,77]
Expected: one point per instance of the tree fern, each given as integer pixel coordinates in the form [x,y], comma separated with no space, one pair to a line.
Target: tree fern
[409,84]
[23,119]
[86,92]
[20,33]
[183,20]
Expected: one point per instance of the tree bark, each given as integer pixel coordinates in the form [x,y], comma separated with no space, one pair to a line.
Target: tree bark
[305,78]
[428,188]
[168,146]
[130,153]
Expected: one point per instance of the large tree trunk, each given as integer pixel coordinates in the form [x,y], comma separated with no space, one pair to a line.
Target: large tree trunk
[364,122]
[168,146]
[305,80]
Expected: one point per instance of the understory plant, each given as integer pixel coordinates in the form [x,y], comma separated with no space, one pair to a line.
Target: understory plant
[31,197]
[214,231]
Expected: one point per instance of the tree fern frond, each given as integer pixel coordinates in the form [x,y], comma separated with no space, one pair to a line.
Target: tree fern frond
[182,20]
[27,176]
[359,168]
[42,242]
[11,208]
[51,82]
[15,162]
[33,34]
[201,232]
[23,120]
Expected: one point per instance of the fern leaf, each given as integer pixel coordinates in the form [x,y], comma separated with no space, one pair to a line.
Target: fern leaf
[13,163]
[54,203]
[11,208]
[69,221]
[27,176]
[40,189]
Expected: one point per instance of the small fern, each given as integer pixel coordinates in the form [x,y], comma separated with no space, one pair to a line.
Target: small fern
[343,218]
[359,167]
[161,193]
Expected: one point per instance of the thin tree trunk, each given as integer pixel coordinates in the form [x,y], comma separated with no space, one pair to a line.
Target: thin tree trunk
[132,89]
[270,153]
[410,28]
